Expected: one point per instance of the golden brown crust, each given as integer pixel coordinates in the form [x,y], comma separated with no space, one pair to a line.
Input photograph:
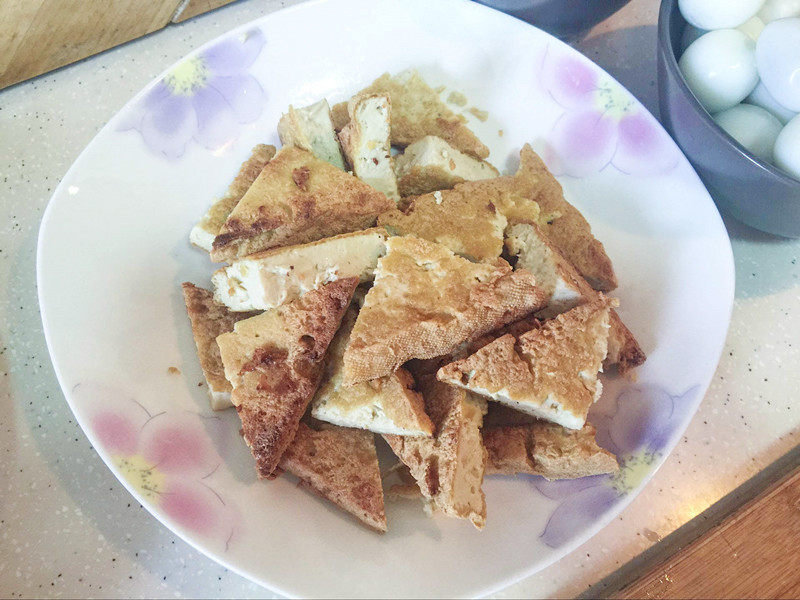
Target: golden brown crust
[209,319]
[550,371]
[467,223]
[431,164]
[216,216]
[275,360]
[340,116]
[570,232]
[449,467]
[418,111]
[551,451]
[418,180]
[623,349]
[533,189]
[383,405]
[426,301]
[340,465]
[539,255]
[279,211]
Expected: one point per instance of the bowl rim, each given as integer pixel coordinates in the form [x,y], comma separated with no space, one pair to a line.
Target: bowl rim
[665,44]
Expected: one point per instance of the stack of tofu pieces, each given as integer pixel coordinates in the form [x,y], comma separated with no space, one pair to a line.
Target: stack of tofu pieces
[382,278]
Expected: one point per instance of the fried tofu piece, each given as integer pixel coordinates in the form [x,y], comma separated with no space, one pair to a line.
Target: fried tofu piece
[341,465]
[431,164]
[274,277]
[297,199]
[566,288]
[418,111]
[311,128]
[532,195]
[549,372]
[470,218]
[274,362]
[365,140]
[448,467]
[570,232]
[384,405]
[210,319]
[203,234]
[468,224]
[426,301]
[546,449]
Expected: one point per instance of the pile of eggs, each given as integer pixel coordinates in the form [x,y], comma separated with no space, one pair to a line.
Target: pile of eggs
[741,58]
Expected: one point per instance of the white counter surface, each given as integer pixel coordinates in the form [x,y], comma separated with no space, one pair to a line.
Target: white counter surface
[68,528]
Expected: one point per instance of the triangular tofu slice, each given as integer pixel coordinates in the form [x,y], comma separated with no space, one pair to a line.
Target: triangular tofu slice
[431,164]
[297,198]
[468,224]
[449,467]
[470,218]
[203,234]
[566,288]
[310,128]
[340,465]
[274,362]
[211,319]
[549,372]
[384,405]
[418,111]
[365,141]
[546,449]
[534,186]
[426,301]
[268,279]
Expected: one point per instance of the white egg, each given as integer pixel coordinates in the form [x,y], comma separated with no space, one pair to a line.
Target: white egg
[753,127]
[787,148]
[720,68]
[761,97]
[778,60]
[690,34]
[779,9]
[752,28]
[718,14]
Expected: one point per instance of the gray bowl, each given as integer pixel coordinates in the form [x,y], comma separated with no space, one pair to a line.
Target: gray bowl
[751,190]
[565,19]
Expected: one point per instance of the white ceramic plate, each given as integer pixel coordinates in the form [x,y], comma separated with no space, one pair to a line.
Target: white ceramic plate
[113,250]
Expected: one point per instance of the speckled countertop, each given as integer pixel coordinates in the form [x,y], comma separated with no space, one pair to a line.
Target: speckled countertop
[68,528]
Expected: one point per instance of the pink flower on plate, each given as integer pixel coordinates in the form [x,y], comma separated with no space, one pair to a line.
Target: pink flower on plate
[168,460]
[602,124]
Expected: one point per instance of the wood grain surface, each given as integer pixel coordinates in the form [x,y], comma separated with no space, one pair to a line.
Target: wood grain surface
[754,553]
[37,36]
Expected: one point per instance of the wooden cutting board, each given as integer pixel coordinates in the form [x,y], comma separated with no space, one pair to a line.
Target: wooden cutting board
[37,36]
[753,553]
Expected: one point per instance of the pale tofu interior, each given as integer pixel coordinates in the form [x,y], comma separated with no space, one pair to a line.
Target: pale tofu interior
[311,128]
[550,409]
[238,347]
[443,162]
[383,405]
[220,400]
[371,152]
[273,278]
[534,253]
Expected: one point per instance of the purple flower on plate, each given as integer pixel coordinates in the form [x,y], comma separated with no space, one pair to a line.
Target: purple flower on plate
[205,98]
[637,429]
[601,125]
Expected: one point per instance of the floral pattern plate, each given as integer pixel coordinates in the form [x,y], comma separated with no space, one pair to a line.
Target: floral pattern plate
[113,250]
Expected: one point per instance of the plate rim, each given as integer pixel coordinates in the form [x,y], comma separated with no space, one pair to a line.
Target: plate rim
[522,572]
